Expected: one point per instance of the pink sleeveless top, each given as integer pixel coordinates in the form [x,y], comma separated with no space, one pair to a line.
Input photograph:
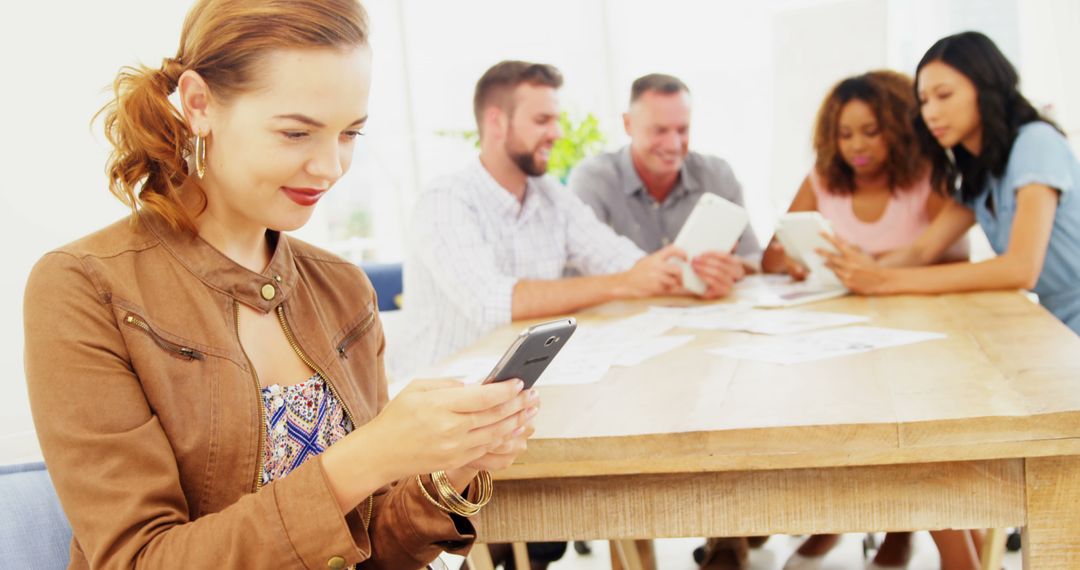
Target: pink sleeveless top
[904,218]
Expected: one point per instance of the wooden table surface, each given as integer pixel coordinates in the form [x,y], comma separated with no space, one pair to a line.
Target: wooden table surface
[980,429]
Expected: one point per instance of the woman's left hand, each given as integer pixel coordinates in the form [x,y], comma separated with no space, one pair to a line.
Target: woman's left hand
[503,455]
[855,269]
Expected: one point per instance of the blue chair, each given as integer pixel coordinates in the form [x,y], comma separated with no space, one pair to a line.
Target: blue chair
[34,533]
[387,279]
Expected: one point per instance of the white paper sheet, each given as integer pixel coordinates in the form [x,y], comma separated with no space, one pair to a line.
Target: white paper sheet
[782,291]
[820,345]
[641,351]
[625,342]
[737,317]
[588,355]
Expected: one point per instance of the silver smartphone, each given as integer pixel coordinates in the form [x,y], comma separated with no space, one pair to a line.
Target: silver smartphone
[532,352]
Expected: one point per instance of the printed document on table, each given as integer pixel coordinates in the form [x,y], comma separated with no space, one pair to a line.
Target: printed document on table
[588,355]
[640,351]
[735,317]
[820,345]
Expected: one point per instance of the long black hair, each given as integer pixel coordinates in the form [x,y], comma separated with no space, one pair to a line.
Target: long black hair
[1002,110]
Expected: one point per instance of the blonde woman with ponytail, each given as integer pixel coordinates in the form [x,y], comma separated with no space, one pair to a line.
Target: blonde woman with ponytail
[209,392]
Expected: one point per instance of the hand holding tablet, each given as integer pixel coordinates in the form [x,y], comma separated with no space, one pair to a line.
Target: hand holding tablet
[801,235]
[715,224]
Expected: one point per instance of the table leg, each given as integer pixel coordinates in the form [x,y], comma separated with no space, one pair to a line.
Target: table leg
[629,556]
[993,548]
[1052,536]
[521,556]
[480,558]
[645,551]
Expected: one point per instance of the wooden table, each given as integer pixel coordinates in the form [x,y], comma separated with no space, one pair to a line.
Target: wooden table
[978,430]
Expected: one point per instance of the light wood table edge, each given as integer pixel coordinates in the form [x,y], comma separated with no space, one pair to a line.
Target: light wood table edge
[773,461]
[967,494]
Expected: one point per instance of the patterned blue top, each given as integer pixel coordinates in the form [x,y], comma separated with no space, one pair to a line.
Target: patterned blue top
[302,420]
[1041,155]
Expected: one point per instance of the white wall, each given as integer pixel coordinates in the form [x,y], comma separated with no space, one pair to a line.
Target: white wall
[56,62]
[1049,46]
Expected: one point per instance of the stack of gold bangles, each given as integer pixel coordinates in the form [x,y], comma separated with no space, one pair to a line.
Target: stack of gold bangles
[451,501]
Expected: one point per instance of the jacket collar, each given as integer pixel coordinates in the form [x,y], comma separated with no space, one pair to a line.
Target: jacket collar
[219,272]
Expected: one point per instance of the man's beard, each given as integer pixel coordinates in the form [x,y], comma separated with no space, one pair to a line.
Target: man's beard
[526,160]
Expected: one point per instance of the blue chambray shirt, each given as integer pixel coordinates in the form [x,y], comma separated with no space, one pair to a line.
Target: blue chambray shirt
[1040,155]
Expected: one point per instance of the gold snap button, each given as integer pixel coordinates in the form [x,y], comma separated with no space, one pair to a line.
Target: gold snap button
[268,292]
[336,563]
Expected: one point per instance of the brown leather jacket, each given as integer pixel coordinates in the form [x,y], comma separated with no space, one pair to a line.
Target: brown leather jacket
[150,416]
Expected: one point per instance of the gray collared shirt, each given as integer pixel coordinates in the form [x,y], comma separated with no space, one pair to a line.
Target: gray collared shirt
[611,186]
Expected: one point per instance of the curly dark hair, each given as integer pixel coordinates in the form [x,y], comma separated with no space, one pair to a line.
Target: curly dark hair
[889,95]
[1002,111]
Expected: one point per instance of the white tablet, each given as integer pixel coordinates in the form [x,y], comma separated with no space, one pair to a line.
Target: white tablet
[800,234]
[715,224]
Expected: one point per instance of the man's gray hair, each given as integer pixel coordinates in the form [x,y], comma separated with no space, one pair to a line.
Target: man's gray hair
[659,82]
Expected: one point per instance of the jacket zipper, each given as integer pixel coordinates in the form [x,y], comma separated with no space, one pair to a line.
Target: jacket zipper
[355,334]
[258,400]
[326,378]
[182,351]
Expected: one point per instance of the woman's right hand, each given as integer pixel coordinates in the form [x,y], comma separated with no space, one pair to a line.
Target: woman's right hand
[444,424]
[776,260]
[796,270]
[431,425]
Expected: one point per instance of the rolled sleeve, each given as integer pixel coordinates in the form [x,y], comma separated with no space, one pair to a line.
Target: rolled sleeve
[1041,155]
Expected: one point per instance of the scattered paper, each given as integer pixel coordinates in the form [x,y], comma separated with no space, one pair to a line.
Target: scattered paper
[641,351]
[625,342]
[587,356]
[736,317]
[573,371]
[782,291]
[820,345]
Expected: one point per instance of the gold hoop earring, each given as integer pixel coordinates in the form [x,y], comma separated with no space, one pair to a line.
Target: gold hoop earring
[200,156]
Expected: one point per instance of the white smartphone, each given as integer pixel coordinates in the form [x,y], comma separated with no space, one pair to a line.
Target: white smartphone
[715,224]
[532,352]
[800,234]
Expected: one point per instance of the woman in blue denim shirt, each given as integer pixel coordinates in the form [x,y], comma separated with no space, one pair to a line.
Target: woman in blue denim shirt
[1014,174]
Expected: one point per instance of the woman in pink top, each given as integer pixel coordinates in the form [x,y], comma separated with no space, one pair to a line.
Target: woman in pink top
[872,182]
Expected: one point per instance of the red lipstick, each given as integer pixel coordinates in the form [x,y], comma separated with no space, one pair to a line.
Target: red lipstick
[303,196]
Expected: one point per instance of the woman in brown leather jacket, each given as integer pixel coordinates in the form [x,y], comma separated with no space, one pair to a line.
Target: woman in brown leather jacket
[209,393]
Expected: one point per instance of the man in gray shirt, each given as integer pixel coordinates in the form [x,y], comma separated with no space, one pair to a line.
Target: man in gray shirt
[646,190]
